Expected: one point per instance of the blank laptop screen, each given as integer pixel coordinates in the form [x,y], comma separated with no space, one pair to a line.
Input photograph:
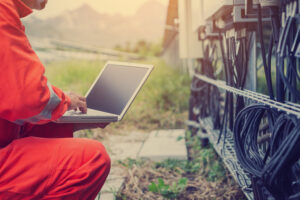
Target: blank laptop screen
[115,88]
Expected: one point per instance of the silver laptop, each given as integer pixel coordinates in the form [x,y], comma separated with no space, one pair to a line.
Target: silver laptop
[111,94]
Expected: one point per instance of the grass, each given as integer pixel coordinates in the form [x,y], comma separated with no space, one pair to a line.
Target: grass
[162,102]
[76,76]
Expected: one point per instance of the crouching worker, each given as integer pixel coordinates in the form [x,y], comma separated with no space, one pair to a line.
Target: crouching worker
[38,158]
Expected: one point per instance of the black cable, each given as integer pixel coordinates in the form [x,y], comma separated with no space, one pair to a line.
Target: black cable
[235,68]
[245,137]
[204,97]
[223,129]
[278,174]
[280,91]
[213,94]
[278,169]
[267,66]
[288,70]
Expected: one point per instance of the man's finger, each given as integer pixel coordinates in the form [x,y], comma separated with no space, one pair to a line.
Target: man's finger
[83,110]
[82,106]
[82,98]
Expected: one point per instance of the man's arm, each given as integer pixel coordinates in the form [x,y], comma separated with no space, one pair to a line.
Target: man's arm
[26,96]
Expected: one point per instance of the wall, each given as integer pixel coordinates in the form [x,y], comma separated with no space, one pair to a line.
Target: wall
[170,54]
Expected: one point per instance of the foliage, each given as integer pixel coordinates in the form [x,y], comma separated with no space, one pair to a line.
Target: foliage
[180,166]
[204,159]
[142,47]
[75,75]
[168,191]
[129,162]
[216,172]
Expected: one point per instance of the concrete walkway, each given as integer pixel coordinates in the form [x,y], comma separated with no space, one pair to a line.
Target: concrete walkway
[157,146]
[164,144]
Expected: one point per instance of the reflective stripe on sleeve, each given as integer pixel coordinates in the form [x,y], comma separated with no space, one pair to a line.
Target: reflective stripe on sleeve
[46,114]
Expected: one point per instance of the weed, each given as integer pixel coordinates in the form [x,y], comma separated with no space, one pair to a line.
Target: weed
[168,191]
[171,164]
[216,172]
[192,167]
[203,160]
[179,138]
[129,163]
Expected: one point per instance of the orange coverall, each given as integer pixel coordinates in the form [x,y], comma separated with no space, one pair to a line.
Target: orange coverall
[38,158]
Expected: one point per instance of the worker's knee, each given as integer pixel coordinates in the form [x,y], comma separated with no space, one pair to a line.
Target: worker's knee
[100,155]
[104,157]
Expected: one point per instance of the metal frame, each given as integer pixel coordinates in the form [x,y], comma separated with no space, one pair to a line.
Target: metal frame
[288,107]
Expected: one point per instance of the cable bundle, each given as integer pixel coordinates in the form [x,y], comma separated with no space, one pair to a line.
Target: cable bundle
[285,39]
[213,93]
[235,61]
[277,170]
[205,98]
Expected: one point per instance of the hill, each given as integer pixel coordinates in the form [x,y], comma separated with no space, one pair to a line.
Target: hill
[88,26]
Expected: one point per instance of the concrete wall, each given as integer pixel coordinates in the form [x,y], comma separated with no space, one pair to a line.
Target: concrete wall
[171,54]
[189,45]
[186,47]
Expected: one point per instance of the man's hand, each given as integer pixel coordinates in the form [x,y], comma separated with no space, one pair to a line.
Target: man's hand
[77,102]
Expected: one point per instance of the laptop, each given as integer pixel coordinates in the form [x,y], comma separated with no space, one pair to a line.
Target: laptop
[111,94]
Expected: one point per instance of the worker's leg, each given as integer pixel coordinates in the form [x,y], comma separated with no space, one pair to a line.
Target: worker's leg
[65,168]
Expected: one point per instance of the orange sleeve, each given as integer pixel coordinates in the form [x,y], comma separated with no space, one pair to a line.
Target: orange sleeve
[26,96]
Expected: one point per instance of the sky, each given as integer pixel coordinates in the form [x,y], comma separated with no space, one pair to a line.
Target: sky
[124,7]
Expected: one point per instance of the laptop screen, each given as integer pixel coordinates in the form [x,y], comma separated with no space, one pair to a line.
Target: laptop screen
[115,87]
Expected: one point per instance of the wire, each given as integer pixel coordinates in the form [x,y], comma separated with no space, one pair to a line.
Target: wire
[277,170]
[266,63]
[205,98]
[288,68]
[235,59]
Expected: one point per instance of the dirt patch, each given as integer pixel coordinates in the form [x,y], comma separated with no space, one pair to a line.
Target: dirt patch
[139,178]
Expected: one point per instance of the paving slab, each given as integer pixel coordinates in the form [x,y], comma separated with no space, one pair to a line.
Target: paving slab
[121,147]
[106,196]
[122,151]
[164,144]
[112,186]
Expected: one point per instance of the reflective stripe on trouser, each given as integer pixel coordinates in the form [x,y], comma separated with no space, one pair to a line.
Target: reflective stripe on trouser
[34,168]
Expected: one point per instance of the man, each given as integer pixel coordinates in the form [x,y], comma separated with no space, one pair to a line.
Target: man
[38,158]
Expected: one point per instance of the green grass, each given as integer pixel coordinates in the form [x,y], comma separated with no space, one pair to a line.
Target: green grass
[161,103]
[76,76]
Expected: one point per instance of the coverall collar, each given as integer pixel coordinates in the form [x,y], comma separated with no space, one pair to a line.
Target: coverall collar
[22,8]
